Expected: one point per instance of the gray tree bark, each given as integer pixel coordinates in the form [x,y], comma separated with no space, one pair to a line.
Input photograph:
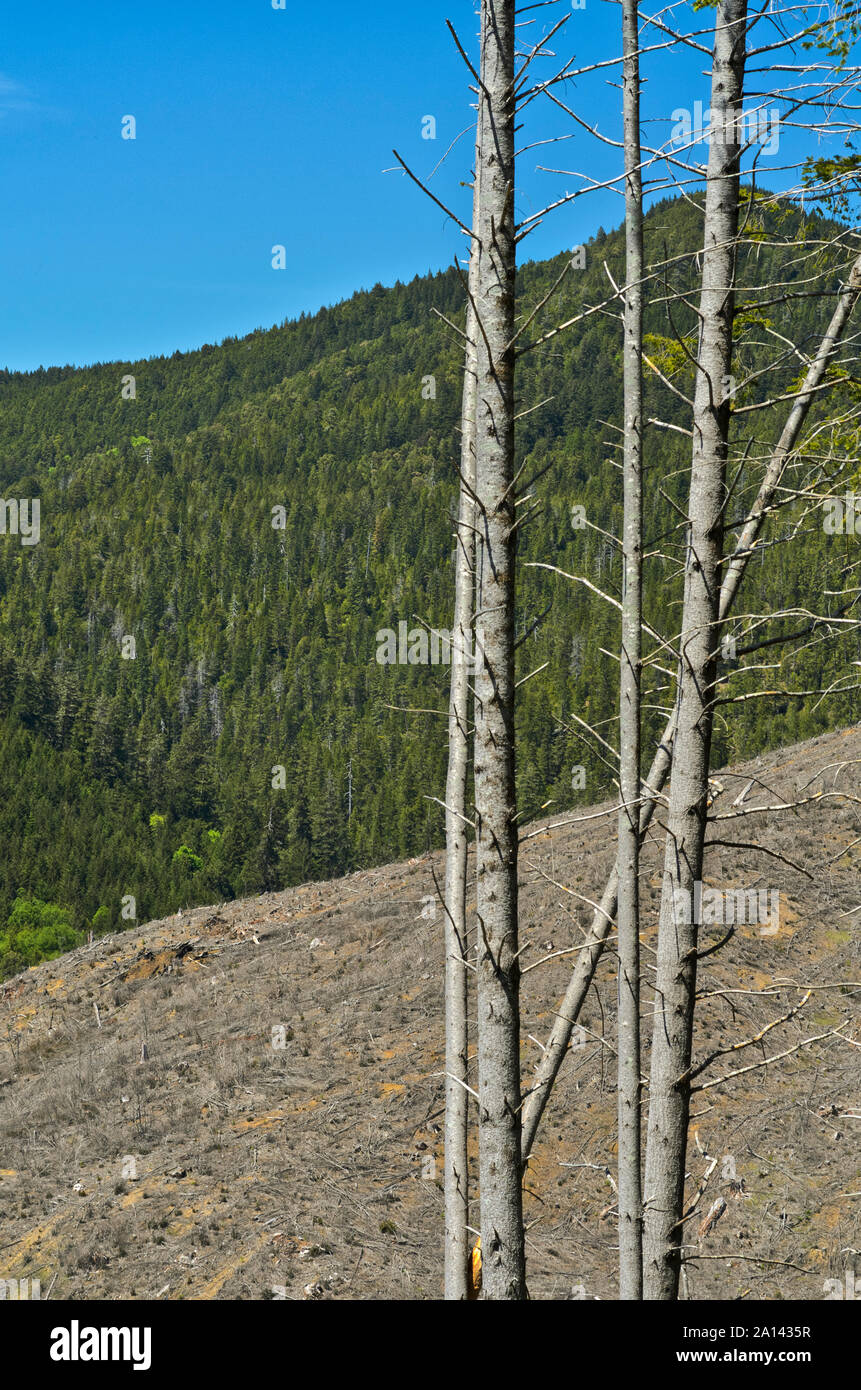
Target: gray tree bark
[457,1240]
[498,979]
[675,984]
[628,861]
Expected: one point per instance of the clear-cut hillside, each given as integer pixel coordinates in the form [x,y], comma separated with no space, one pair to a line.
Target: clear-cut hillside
[278,1134]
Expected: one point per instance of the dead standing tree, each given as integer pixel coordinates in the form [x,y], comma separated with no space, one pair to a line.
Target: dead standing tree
[675,983]
[457,823]
[486,534]
[630,1189]
[498,969]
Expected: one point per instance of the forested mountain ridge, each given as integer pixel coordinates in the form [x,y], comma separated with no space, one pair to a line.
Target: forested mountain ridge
[218,553]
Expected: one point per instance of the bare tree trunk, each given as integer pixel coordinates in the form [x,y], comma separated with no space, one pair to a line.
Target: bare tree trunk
[569,1007]
[628,862]
[502,1239]
[675,985]
[457,1243]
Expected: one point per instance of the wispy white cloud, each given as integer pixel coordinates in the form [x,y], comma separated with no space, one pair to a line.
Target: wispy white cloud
[14,96]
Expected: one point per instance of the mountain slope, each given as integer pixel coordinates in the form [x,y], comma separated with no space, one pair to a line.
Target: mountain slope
[191,701]
[222,1166]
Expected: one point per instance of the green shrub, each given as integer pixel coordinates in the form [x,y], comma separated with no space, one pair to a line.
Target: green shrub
[35,931]
[101,920]
[188,858]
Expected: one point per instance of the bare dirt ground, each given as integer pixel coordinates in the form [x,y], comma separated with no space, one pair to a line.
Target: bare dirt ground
[279,1134]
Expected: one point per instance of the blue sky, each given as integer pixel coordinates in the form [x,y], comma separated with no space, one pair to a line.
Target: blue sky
[254,127]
